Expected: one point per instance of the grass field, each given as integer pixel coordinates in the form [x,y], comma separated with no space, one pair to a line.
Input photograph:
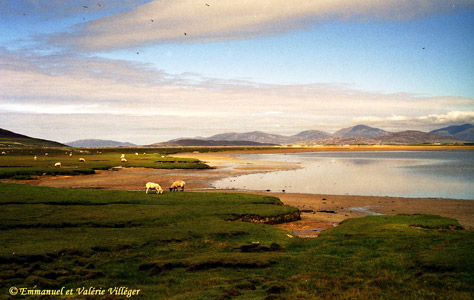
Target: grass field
[192,246]
[20,163]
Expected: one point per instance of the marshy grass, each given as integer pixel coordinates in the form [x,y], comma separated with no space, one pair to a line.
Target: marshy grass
[192,246]
[20,163]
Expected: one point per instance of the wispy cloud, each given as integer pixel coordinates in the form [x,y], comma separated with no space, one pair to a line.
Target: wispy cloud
[101,96]
[183,21]
[425,122]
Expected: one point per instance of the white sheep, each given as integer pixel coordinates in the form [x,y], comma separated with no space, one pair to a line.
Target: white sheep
[70,154]
[156,186]
[123,156]
[35,158]
[123,159]
[136,153]
[3,153]
[57,165]
[176,185]
[82,160]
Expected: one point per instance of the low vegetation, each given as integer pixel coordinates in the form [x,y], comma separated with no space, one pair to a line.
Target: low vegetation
[195,246]
[21,163]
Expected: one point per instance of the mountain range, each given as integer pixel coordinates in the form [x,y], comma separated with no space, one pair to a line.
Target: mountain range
[99,143]
[267,138]
[360,134]
[208,143]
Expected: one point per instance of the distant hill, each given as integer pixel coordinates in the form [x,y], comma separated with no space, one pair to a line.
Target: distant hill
[360,134]
[466,135]
[310,135]
[11,139]
[267,138]
[404,137]
[207,143]
[339,141]
[254,136]
[451,130]
[416,137]
[464,132]
[360,131]
[99,143]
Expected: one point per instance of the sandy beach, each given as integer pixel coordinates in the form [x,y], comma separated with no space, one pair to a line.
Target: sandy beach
[318,211]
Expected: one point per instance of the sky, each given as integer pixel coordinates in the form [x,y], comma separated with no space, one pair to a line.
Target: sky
[147,71]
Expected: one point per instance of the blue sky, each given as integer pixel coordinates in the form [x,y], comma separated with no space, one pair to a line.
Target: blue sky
[385,56]
[107,71]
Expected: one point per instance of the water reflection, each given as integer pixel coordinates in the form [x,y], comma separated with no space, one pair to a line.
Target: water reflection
[408,174]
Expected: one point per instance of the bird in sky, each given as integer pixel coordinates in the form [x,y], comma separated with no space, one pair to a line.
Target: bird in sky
[84,6]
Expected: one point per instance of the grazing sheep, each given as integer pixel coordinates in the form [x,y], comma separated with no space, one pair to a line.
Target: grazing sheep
[70,154]
[3,153]
[82,160]
[123,159]
[57,165]
[123,156]
[176,185]
[156,186]
[35,158]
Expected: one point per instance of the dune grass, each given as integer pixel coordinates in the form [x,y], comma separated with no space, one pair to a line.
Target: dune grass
[186,246]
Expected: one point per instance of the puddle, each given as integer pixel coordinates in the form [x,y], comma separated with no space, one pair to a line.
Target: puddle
[312,230]
[365,210]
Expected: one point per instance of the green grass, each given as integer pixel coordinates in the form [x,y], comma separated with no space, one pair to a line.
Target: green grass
[20,163]
[185,246]
[7,143]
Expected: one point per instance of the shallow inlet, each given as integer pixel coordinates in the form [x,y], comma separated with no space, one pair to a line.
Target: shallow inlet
[436,174]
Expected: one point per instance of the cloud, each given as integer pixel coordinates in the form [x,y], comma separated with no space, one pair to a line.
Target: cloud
[87,92]
[426,122]
[183,21]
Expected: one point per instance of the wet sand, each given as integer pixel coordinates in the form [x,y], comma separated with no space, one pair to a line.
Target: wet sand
[318,211]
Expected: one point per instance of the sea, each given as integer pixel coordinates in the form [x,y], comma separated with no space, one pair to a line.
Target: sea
[426,174]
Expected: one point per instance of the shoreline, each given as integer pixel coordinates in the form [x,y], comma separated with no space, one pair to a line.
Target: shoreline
[319,211]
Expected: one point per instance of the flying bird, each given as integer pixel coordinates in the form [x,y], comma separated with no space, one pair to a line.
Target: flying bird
[185,33]
[423,48]
[207,4]
[84,6]
[152,20]
[98,4]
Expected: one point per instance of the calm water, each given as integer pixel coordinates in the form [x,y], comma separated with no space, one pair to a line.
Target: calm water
[444,174]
